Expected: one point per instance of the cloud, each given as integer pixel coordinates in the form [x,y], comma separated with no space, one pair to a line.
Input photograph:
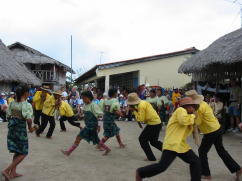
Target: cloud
[122,29]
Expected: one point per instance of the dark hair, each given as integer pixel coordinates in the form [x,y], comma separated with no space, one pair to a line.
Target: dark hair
[87,94]
[20,91]
[112,92]
[153,91]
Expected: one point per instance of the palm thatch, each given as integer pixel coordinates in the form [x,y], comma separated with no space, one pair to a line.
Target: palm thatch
[13,71]
[32,56]
[222,59]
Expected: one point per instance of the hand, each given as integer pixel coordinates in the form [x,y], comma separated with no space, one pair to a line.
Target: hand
[32,129]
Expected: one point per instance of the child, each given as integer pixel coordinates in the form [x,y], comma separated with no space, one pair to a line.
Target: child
[19,112]
[144,112]
[111,110]
[92,113]
[180,126]
[67,113]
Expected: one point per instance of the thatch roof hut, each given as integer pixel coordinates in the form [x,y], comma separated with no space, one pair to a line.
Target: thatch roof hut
[32,56]
[222,59]
[13,71]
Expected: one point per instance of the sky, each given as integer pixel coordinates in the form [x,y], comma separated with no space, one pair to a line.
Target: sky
[113,30]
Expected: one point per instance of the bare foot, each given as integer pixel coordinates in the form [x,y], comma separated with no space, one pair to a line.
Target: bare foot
[106,152]
[206,177]
[65,152]
[6,175]
[122,146]
[14,175]
[238,174]
[138,178]
[48,137]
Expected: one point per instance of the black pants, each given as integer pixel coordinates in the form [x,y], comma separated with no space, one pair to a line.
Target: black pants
[167,158]
[216,139]
[71,120]
[37,114]
[44,121]
[150,134]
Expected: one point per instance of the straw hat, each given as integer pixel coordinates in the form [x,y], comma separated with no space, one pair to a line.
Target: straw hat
[133,99]
[195,96]
[45,88]
[187,101]
[59,93]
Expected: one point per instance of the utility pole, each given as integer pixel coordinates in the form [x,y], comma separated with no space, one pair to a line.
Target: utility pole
[71,59]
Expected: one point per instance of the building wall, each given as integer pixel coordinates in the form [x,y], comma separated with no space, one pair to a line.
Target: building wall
[5,87]
[162,72]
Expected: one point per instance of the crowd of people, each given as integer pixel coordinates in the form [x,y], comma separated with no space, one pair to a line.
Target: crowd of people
[183,112]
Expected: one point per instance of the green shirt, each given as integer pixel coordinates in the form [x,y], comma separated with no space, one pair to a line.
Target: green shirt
[20,107]
[162,98]
[110,105]
[94,108]
[152,101]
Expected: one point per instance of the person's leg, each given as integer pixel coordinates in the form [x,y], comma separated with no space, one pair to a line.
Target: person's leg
[207,142]
[230,163]
[154,136]
[17,160]
[44,122]
[62,123]
[144,142]
[13,171]
[37,115]
[73,147]
[52,126]
[71,120]
[151,170]
[195,165]
[121,144]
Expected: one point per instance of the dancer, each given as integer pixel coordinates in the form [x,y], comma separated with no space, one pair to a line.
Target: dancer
[144,112]
[92,113]
[66,113]
[179,127]
[19,113]
[38,101]
[50,105]
[111,108]
[213,135]
[153,99]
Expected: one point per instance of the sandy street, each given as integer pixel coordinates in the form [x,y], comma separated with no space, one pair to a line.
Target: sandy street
[46,163]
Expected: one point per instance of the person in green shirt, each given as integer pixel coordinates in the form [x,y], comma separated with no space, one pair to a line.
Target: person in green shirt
[111,108]
[153,99]
[92,113]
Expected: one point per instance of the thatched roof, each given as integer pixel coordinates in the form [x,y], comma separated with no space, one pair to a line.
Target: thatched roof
[220,56]
[13,71]
[28,55]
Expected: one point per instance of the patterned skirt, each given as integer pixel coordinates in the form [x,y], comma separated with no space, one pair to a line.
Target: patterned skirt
[17,139]
[90,135]
[110,127]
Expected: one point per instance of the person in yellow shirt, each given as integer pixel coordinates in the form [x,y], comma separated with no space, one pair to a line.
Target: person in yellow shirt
[175,96]
[66,113]
[11,98]
[38,101]
[179,127]
[213,135]
[50,105]
[144,112]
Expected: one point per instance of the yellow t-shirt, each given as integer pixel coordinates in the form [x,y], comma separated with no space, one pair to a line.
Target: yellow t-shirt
[10,99]
[146,113]
[206,120]
[65,109]
[179,127]
[49,106]
[174,97]
[38,104]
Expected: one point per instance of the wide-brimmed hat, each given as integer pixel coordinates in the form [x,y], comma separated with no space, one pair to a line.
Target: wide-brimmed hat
[186,101]
[195,96]
[11,93]
[45,88]
[3,94]
[59,93]
[133,99]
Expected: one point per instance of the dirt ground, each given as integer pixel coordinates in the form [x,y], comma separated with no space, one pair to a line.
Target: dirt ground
[45,162]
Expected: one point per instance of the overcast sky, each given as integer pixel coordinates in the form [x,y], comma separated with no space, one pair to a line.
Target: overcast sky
[122,29]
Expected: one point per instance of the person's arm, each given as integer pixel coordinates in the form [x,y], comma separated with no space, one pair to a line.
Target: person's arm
[36,97]
[27,112]
[184,118]
[140,113]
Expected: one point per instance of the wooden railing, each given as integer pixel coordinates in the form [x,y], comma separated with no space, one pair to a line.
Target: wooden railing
[46,75]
